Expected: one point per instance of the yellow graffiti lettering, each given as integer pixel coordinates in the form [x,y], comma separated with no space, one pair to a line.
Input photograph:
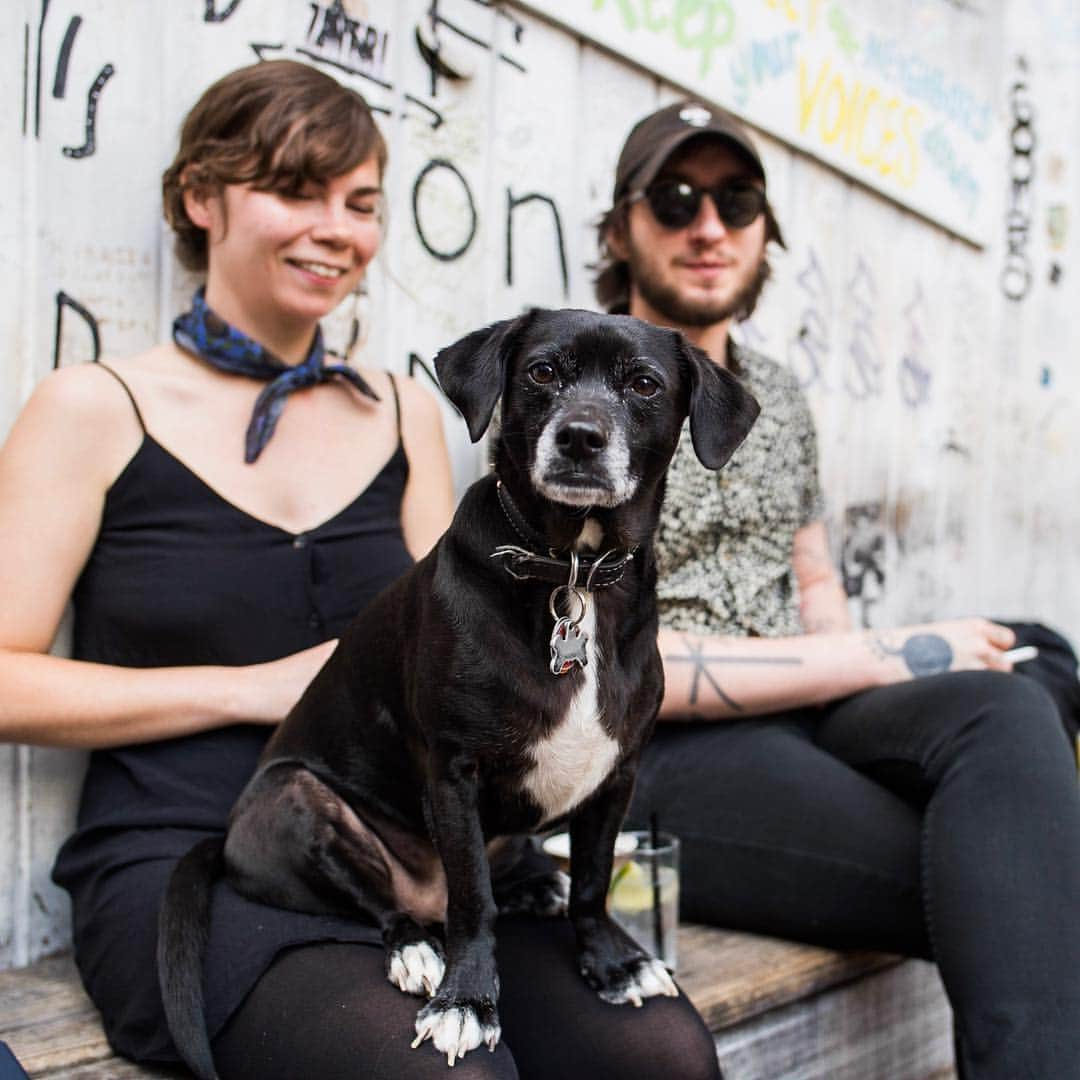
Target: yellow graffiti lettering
[808,99]
[791,12]
[880,133]
[909,125]
[835,95]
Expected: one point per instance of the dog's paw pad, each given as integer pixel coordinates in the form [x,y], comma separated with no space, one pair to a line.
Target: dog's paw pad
[456,1029]
[647,978]
[417,968]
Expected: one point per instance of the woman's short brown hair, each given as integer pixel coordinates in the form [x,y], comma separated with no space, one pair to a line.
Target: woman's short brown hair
[276,125]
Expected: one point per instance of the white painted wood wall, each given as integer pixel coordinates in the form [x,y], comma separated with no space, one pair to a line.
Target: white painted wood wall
[949,411]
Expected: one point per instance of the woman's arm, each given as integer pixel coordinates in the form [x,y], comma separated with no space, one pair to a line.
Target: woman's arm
[68,445]
[428,503]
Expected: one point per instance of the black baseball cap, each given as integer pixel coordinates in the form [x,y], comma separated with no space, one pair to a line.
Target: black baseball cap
[655,138]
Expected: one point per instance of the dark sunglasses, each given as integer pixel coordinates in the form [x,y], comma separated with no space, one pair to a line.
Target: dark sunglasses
[675,203]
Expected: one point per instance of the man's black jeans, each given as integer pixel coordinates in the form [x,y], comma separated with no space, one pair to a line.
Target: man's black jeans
[937,818]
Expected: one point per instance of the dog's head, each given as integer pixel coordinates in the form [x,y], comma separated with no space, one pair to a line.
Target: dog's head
[593,404]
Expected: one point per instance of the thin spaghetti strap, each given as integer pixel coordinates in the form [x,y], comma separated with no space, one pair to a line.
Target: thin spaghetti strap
[397,402]
[127,390]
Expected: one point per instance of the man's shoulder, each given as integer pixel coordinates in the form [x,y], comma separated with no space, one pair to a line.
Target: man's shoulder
[765,375]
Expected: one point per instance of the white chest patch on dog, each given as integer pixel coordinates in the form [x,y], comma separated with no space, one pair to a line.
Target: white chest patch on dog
[578,754]
[590,536]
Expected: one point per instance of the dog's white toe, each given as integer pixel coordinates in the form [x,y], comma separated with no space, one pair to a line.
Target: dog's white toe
[560,894]
[454,1031]
[651,979]
[416,969]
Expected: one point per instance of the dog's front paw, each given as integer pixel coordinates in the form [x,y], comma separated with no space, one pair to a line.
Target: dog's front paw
[458,1025]
[635,980]
[416,967]
[545,895]
[618,969]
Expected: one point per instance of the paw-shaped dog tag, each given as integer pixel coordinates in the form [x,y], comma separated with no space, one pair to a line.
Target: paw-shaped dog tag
[568,643]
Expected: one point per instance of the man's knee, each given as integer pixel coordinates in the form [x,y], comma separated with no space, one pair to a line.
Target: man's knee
[1002,713]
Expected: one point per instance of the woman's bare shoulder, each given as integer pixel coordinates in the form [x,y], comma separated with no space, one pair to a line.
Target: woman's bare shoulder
[417,396]
[83,411]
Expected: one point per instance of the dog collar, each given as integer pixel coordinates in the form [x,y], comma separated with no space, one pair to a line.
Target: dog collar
[584,571]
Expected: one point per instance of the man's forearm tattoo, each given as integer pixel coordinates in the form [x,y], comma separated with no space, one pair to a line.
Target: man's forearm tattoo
[695,654]
[924,654]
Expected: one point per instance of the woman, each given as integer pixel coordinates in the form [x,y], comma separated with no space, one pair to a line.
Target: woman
[199,503]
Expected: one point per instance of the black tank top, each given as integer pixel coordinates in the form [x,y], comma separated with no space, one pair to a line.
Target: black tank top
[180,576]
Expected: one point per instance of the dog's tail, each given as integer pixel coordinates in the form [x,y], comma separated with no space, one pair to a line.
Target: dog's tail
[183,929]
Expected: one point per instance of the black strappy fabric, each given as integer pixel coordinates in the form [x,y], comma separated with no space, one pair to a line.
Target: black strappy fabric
[180,576]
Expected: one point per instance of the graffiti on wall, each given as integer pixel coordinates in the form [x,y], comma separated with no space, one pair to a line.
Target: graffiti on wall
[34,77]
[1016,274]
[862,561]
[904,111]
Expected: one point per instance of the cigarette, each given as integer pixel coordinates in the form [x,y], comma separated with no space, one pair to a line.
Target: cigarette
[1018,656]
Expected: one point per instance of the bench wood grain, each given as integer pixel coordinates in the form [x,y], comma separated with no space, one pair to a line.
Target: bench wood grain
[778,1010]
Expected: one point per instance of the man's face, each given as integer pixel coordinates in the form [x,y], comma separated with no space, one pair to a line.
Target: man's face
[701,274]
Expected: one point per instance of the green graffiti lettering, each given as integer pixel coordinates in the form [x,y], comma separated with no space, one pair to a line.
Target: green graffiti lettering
[624,7]
[704,25]
[655,23]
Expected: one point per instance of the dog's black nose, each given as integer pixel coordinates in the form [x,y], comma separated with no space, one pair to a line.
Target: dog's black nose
[581,439]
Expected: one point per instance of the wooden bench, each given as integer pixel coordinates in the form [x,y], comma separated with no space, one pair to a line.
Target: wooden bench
[778,1012]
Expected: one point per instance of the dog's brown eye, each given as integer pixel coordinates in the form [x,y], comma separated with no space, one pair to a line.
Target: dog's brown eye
[542,374]
[644,386]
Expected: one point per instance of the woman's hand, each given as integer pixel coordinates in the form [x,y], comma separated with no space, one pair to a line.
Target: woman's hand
[270,690]
[972,644]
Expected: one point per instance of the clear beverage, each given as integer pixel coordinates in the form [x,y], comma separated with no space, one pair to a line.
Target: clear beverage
[644,896]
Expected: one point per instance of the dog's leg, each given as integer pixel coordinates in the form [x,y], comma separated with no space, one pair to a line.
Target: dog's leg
[612,964]
[294,842]
[463,1014]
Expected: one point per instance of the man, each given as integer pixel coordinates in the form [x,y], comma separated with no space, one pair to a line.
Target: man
[857,781]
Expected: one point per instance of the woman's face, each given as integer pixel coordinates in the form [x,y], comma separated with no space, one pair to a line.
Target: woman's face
[289,259]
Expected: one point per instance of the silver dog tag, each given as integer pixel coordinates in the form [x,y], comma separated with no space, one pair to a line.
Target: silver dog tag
[568,643]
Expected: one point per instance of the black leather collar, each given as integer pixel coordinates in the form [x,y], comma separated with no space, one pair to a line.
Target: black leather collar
[580,571]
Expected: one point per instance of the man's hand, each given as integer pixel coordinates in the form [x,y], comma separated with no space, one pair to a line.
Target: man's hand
[933,648]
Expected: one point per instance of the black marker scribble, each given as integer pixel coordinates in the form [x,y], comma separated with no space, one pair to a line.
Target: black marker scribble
[60,82]
[416,363]
[512,203]
[65,301]
[37,74]
[90,145]
[425,172]
[212,15]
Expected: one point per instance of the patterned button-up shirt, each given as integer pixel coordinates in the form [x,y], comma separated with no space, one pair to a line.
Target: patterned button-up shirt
[724,545]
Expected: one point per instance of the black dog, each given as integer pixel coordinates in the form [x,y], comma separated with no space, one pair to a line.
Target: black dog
[505,684]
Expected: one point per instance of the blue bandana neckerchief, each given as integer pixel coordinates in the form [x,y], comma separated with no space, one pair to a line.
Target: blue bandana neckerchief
[211,338]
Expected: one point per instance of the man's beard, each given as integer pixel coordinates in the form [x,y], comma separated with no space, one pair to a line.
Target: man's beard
[669,302]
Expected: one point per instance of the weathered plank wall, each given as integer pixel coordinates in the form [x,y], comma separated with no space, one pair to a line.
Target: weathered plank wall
[943,374]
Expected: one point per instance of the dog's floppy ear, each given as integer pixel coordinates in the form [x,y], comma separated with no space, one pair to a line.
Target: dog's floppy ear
[472,370]
[721,411]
